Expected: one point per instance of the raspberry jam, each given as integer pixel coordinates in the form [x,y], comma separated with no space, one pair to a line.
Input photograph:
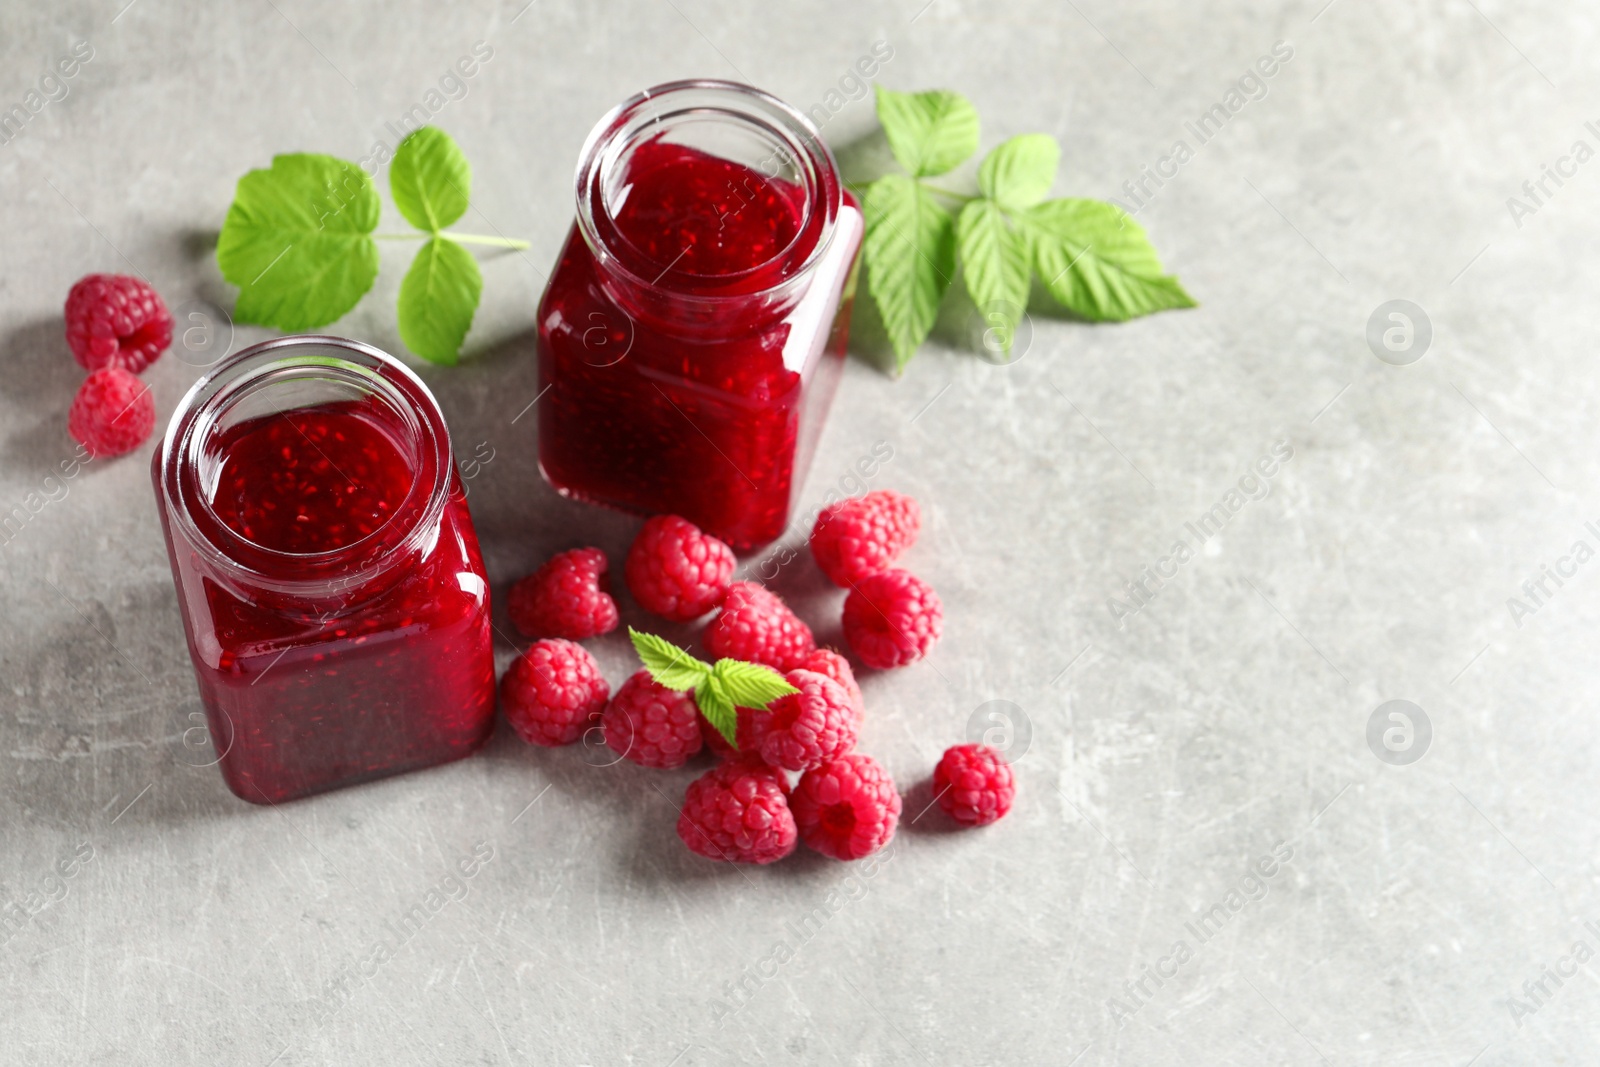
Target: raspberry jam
[693,332]
[332,592]
[309,481]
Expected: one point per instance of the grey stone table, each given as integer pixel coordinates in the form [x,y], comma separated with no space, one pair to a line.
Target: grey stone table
[1209,861]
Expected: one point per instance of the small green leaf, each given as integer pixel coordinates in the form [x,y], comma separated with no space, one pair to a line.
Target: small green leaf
[910,252]
[668,664]
[718,708]
[1018,174]
[430,179]
[994,261]
[295,241]
[438,298]
[929,133]
[750,685]
[1098,262]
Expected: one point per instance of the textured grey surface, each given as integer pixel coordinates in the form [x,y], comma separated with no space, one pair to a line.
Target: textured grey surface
[1167,755]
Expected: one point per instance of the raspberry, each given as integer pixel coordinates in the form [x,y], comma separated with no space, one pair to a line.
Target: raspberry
[742,733]
[114,320]
[567,597]
[846,808]
[552,692]
[652,725]
[112,414]
[974,784]
[803,729]
[827,662]
[892,619]
[755,625]
[675,570]
[737,811]
[861,536]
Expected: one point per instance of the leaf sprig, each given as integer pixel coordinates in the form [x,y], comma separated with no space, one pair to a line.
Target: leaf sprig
[298,243]
[719,689]
[1090,255]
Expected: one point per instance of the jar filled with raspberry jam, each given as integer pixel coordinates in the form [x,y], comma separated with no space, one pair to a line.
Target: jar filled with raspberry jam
[693,332]
[332,592]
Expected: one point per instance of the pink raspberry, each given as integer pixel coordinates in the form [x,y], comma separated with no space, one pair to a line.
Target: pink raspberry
[803,729]
[828,662]
[892,618]
[567,597]
[652,725]
[974,784]
[675,570]
[863,535]
[846,808]
[755,625]
[738,811]
[114,320]
[553,692]
[742,733]
[113,412]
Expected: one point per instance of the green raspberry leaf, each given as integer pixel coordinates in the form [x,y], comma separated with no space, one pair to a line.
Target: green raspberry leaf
[1098,262]
[910,252]
[296,241]
[994,260]
[1019,173]
[668,664]
[438,298]
[750,685]
[718,708]
[430,179]
[929,133]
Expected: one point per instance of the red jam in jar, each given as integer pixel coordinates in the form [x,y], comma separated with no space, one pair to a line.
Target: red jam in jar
[693,332]
[332,592]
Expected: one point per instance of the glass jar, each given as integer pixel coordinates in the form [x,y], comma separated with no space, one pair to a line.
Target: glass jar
[693,332]
[332,592]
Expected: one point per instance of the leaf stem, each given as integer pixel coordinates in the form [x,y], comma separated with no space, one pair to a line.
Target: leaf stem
[963,197]
[477,239]
[458,238]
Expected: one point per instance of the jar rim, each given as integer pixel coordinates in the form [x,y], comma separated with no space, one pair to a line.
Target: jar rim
[196,420]
[636,116]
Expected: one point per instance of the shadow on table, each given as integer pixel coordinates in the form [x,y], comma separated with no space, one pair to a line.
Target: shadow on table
[39,381]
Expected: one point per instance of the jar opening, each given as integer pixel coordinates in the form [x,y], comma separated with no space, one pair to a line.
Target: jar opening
[710,196]
[307,462]
[706,190]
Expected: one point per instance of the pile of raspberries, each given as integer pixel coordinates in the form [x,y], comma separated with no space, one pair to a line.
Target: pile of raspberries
[793,775]
[116,327]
